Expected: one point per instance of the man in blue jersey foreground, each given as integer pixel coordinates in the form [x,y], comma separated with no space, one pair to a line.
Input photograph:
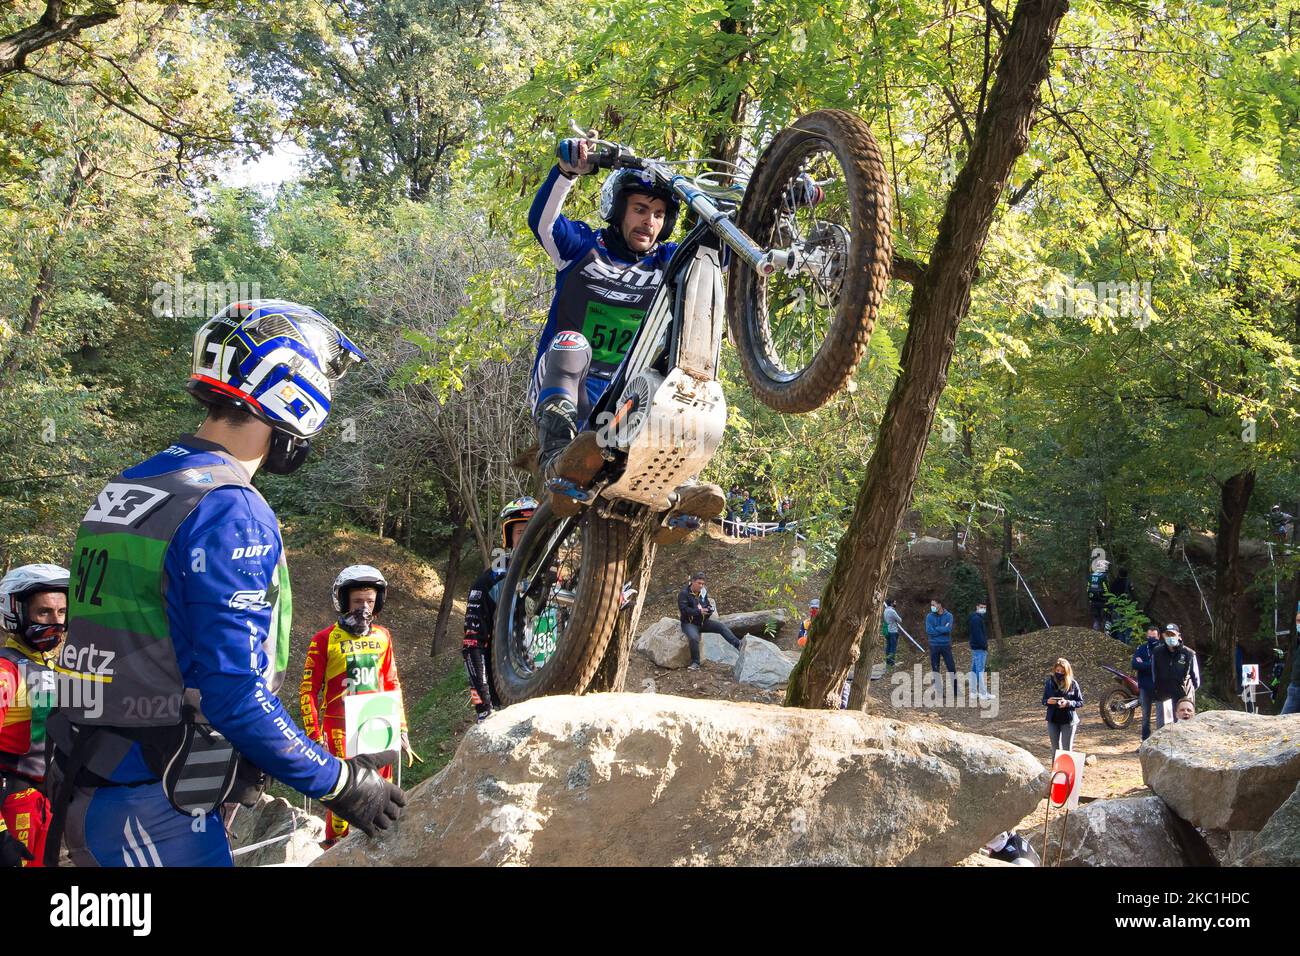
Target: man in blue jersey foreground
[605,280]
[178,623]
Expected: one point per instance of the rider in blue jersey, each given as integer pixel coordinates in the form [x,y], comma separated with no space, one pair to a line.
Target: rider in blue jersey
[179,614]
[604,281]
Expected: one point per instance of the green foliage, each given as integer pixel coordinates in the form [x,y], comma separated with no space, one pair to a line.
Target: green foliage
[965,590]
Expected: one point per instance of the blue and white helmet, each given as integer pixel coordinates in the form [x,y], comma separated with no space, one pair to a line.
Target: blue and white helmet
[276,360]
[621,183]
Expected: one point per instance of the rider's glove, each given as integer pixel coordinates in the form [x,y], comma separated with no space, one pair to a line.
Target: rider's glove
[573,156]
[364,798]
[12,851]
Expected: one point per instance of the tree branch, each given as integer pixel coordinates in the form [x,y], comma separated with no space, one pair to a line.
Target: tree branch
[53,27]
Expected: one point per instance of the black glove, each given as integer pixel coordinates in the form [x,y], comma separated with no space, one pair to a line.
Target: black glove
[366,800]
[12,851]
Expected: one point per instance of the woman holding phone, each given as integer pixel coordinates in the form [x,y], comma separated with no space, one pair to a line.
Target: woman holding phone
[1062,698]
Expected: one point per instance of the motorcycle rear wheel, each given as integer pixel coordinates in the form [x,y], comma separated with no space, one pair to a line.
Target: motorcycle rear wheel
[1114,709]
[558,603]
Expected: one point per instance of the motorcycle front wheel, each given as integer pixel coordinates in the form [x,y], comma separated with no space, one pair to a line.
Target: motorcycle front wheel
[821,191]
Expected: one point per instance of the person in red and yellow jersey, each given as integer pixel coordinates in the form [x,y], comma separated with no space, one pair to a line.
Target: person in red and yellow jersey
[353,656]
[33,615]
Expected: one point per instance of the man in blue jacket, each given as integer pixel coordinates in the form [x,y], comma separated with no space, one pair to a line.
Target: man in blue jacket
[979,651]
[1142,659]
[938,628]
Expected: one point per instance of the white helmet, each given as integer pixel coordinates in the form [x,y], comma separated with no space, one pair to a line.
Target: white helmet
[359,575]
[20,584]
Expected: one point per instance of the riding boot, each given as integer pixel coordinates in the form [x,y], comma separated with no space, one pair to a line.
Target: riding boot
[693,504]
[568,461]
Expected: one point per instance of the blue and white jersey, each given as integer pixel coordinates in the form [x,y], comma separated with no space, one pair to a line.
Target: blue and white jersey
[224,588]
[597,294]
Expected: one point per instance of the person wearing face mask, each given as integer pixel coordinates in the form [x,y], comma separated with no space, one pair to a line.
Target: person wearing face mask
[979,651]
[1062,697]
[1175,672]
[352,656]
[33,613]
[938,628]
[179,615]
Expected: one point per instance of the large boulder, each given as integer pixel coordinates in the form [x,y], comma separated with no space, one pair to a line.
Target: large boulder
[652,780]
[665,644]
[1128,831]
[275,833]
[1278,844]
[1225,769]
[715,649]
[756,622]
[762,663]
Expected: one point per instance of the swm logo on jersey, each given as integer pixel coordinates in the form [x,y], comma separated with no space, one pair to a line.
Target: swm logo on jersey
[125,504]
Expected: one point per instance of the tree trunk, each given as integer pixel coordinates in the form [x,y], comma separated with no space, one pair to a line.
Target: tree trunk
[1230,603]
[940,299]
[451,579]
[991,589]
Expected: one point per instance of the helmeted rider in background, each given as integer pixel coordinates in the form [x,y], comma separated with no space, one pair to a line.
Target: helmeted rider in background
[355,655]
[481,608]
[179,615]
[604,281]
[33,609]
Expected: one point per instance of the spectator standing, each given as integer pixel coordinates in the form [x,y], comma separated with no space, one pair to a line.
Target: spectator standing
[1142,663]
[938,628]
[1097,594]
[1175,671]
[1062,697]
[748,511]
[979,651]
[892,622]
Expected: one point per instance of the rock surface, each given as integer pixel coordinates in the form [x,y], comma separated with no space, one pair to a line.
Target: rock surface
[275,817]
[1224,770]
[714,648]
[1278,844]
[664,643]
[762,663]
[1128,831]
[645,779]
[756,622]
